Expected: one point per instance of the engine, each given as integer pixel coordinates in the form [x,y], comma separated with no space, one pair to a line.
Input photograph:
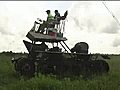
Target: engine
[81,47]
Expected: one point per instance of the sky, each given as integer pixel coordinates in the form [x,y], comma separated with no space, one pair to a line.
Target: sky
[87,21]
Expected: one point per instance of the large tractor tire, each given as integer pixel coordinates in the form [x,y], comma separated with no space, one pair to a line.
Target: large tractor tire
[87,67]
[101,66]
[25,67]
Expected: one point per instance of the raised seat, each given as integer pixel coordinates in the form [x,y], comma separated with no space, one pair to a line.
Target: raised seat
[44,38]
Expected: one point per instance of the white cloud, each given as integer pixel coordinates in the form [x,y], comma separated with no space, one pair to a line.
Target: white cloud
[17,18]
[116,42]
[87,21]
[92,23]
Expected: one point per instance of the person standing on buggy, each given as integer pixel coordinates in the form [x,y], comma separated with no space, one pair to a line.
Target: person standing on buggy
[57,15]
[57,18]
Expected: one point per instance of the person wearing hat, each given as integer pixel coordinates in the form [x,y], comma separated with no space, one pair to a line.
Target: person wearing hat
[46,23]
[50,20]
[49,17]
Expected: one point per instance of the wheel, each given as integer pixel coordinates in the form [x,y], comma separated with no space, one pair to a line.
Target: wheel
[88,69]
[101,66]
[26,67]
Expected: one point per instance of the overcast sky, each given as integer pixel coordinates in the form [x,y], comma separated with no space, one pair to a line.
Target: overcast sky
[87,21]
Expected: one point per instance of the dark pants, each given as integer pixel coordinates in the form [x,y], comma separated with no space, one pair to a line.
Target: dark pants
[42,27]
[46,24]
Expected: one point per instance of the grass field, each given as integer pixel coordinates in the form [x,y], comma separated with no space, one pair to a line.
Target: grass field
[9,80]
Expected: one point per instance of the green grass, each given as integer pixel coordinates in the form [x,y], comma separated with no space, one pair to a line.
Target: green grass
[10,81]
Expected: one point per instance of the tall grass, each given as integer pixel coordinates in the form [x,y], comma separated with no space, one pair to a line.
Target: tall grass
[10,81]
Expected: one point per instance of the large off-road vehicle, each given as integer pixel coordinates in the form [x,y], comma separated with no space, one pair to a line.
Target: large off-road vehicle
[49,54]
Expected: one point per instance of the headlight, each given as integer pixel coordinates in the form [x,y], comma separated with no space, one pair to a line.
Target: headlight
[13,59]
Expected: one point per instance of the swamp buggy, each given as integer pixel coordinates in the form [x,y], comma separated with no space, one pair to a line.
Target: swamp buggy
[58,59]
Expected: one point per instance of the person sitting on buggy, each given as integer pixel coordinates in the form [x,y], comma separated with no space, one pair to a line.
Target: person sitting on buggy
[51,21]
[47,23]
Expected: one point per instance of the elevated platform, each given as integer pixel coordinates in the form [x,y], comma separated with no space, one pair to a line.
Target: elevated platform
[37,37]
